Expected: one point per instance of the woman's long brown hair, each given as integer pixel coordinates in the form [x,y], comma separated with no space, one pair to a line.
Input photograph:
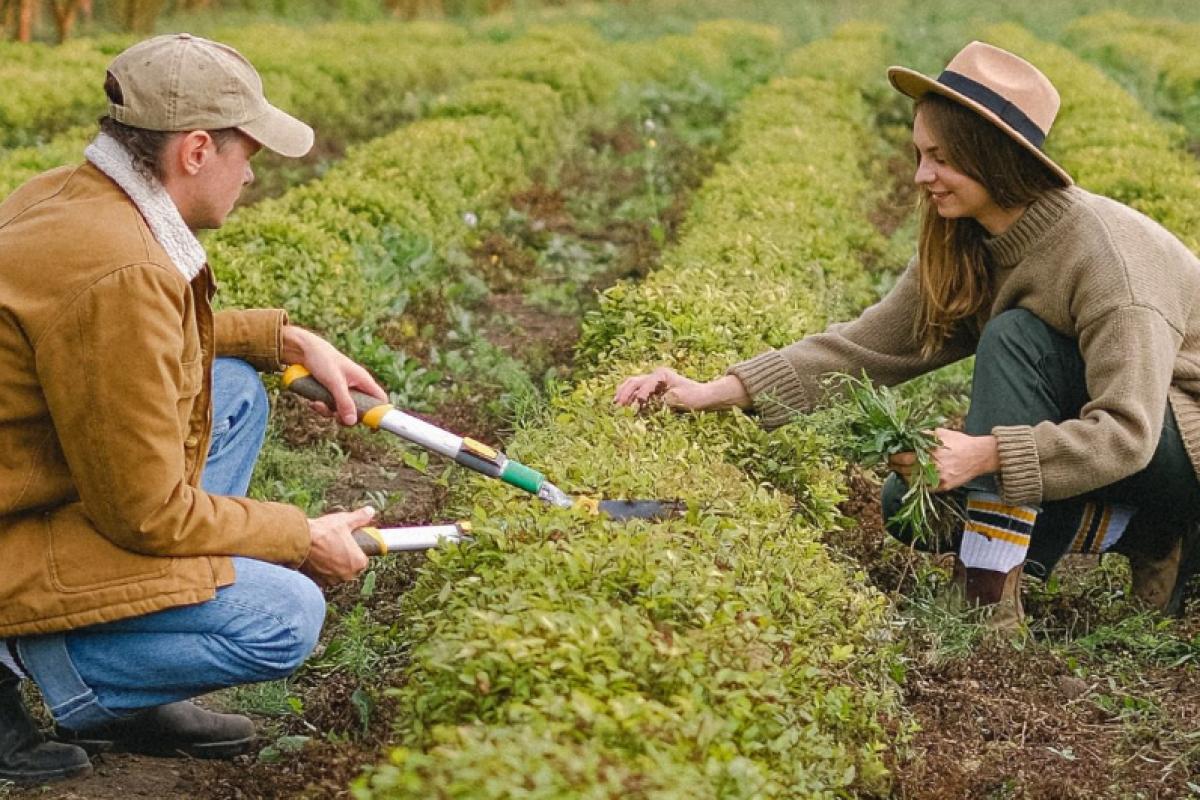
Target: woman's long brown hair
[954,270]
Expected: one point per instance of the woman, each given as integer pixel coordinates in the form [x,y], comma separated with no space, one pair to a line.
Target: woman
[1084,426]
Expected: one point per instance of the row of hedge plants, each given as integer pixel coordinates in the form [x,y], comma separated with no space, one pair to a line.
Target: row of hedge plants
[373,239]
[350,82]
[1156,56]
[724,654]
[337,75]
[1109,143]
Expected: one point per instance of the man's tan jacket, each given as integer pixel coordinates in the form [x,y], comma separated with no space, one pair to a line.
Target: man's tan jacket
[106,354]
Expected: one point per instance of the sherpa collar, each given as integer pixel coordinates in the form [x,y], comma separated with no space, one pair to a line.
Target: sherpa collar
[157,207]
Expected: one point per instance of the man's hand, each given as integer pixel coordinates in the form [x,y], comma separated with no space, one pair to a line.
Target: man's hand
[682,393]
[336,373]
[959,459]
[334,557]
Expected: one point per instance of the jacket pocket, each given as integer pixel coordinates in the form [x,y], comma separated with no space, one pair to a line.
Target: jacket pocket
[82,560]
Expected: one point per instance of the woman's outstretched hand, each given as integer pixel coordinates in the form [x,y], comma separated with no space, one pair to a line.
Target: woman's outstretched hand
[682,393]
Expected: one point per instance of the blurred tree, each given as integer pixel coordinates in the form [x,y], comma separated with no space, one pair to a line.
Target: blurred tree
[138,16]
[65,14]
[411,9]
[19,17]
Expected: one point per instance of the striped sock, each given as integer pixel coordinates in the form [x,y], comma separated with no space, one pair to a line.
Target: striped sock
[996,536]
[1100,527]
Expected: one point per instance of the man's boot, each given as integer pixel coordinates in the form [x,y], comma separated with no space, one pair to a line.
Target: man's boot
[26,758]
[1001,591]
[174,729]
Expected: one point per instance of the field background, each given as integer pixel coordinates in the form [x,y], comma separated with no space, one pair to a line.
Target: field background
[511,207]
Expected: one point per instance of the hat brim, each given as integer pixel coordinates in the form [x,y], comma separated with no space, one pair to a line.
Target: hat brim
[281,132]
[916,85]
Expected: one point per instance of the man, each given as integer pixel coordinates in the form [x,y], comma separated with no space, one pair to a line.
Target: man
[136,575]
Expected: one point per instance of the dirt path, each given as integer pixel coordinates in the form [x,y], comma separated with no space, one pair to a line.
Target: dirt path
[1051,718]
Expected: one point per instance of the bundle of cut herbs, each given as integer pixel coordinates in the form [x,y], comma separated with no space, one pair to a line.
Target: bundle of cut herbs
[874,423]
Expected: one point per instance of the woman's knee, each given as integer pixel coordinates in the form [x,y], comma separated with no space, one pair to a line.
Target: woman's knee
[891,498]
[941,539]
[1017,334]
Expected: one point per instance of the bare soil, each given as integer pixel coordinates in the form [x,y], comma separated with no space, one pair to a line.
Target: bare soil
[1031,719]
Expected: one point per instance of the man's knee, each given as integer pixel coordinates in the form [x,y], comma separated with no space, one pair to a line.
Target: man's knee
[305,622]
[287,622]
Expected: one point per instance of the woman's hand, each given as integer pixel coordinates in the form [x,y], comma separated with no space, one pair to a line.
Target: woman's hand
[959,459]
[682,393]
[336,372]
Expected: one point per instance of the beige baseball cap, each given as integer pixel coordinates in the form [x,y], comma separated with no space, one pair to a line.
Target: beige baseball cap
[180,82]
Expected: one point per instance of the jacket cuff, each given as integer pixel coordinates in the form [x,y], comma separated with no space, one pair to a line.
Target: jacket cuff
[1020,470]
[298,539]
[773,386]
[255,335]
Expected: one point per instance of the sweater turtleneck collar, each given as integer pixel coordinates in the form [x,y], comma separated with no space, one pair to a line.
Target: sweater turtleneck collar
[1043,214]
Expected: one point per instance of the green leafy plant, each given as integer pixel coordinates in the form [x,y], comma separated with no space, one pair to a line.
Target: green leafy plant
[725,654]
[881,423]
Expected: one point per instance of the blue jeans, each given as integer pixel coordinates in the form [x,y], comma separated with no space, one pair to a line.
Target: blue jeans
[261,627]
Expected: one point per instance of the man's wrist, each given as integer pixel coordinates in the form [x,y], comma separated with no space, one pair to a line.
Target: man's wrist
[294,340]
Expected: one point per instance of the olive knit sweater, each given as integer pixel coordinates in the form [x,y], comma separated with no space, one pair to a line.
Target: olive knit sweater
[1093,269]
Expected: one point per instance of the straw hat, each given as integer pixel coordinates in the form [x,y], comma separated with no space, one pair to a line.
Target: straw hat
[1006,90]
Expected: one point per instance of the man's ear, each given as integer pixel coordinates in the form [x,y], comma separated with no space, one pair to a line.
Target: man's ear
[192,150]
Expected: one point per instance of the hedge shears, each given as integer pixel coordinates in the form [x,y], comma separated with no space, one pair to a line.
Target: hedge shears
[472,454]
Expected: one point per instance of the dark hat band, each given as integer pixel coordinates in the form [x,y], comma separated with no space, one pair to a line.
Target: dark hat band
[1014,117]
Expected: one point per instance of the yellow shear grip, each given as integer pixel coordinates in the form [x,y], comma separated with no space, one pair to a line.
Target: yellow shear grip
[294,373]
[377,536]
[374,416]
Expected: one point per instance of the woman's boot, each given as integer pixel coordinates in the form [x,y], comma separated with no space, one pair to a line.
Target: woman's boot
[1000,592]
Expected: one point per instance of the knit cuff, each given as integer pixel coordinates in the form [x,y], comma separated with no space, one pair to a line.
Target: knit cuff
[774,387]
[1020,470]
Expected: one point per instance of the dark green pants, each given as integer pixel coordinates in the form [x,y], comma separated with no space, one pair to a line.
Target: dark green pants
[1026,373]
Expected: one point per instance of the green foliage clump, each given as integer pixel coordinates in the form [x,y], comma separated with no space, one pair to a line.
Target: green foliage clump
[722,654]
[1158,56]
[22,163]
[48,90]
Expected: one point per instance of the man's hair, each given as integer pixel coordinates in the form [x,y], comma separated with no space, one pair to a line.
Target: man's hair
[146,146]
